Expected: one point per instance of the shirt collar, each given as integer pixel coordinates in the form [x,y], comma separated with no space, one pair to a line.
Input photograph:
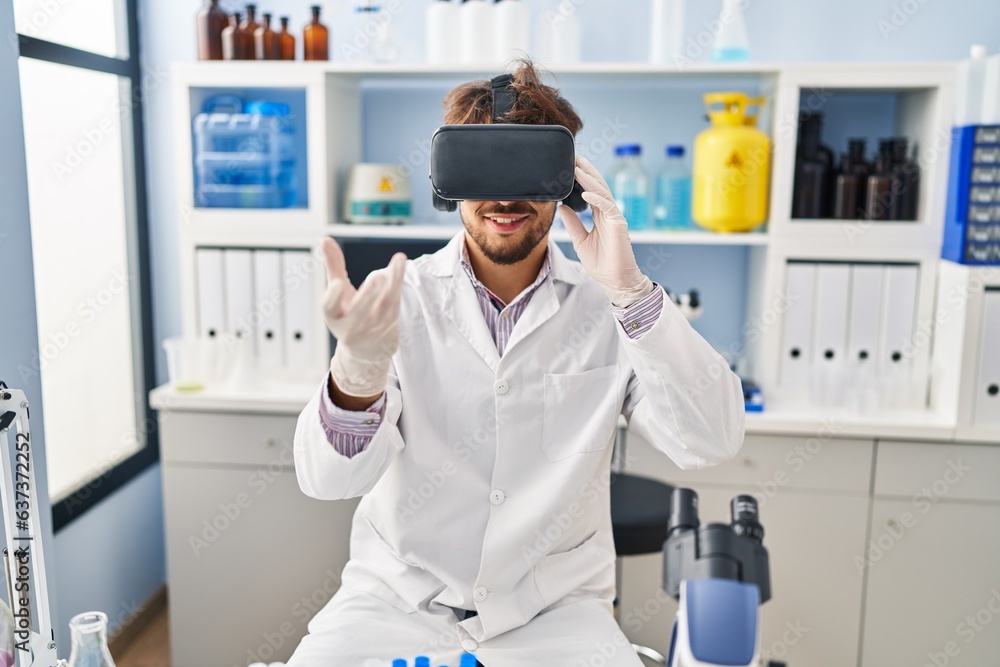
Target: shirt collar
[543,273]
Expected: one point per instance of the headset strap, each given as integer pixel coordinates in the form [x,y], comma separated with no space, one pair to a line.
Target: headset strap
[503,95]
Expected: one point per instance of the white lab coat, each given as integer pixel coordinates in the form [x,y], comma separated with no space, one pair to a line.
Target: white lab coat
[486,485]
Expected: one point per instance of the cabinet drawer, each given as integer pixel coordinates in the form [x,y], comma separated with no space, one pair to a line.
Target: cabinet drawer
[938,471]
[226,437]
[769,463]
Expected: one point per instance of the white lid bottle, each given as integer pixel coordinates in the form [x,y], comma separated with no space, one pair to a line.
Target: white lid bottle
[565,43]
[476,38]
[441,32]
[512,30]
[666,42]
[731,42]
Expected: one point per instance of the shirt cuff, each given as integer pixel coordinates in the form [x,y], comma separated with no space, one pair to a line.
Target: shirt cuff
[640,317]
[349,431]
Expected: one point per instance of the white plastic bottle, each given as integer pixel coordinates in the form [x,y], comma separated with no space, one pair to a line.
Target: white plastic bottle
[666,41]
[475,31]
[512,30]
[565,43]
[731,42]
[442,32]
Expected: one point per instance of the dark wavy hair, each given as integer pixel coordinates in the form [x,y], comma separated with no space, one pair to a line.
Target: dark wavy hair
[535,104]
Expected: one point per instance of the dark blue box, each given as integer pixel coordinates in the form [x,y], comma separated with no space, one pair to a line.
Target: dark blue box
[972,216]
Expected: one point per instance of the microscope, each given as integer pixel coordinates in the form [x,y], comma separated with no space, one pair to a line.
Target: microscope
[719,574]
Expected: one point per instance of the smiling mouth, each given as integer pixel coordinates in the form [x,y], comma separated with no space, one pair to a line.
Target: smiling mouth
[507,218]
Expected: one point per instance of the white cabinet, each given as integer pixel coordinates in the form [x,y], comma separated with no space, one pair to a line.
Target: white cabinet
[814,505]
[933,557]
[966,372]
[986,411]
[250,558]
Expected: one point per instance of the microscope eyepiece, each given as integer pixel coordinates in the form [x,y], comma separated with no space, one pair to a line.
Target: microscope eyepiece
[683,511]
[746,520]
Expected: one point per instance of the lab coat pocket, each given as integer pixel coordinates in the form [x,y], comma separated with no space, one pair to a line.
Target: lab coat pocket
[580,412]
[588,568]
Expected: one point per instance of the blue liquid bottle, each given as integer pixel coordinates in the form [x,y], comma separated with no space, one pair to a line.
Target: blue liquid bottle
[673,192]
[630,186]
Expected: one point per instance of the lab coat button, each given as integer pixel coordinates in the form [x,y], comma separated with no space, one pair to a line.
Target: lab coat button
[469,645]
[480,594]
[497,497]
[501,387]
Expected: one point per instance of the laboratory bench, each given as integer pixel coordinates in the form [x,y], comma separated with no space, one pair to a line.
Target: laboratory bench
[250,555]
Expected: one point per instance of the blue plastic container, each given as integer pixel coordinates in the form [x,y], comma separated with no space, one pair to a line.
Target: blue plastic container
[972,217]
[244,155]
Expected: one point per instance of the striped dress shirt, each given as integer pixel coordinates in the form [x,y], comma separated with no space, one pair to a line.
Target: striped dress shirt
[350,431]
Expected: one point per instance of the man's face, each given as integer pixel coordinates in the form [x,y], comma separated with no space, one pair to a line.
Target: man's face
[507,231]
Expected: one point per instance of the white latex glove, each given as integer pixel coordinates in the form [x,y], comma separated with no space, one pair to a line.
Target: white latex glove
[365,322]
[606,251]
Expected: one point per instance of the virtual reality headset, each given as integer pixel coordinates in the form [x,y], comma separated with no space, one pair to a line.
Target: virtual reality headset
[503,161]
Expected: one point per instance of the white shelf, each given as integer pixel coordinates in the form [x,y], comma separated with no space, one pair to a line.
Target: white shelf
[445,232]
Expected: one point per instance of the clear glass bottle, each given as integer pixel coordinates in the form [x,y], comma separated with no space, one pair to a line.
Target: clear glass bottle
[286,40]
[90,641]
[315,38]
[731,41]
[673,192]
[630,186]
[211,21]
[250,26]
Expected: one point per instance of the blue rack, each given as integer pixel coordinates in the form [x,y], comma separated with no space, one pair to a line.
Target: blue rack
[972,218]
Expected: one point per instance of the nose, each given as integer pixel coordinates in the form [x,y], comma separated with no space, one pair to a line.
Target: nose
[505,203]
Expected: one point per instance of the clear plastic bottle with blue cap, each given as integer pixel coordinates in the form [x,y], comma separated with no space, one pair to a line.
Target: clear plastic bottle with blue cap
[672,209]
[630,185]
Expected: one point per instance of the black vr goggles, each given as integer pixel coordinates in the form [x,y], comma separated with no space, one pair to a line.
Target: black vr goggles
[503,161]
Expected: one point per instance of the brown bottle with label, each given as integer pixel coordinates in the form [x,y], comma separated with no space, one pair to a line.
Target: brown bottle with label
[250,25]
[236,42]
[315,38]
[266,41]
[210,22]
[286,41]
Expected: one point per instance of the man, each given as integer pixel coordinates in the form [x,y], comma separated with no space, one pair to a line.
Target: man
[472,400]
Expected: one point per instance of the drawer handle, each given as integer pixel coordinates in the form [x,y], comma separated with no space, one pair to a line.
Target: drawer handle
[891,524]
[993,389]
[270,442]
[747,462]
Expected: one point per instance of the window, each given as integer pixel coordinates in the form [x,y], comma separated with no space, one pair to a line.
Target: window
[81,95]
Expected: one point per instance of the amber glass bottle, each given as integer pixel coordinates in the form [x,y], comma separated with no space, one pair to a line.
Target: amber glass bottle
[315,38]
[266,41]
[250,25]
[286,41]
[235,40]
[211,21]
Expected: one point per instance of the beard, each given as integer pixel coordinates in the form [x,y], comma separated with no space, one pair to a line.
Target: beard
[508,250]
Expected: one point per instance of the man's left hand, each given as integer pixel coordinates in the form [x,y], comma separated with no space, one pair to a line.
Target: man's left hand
[605,251]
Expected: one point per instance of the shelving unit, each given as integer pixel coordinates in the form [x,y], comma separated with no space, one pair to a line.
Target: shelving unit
[346,115]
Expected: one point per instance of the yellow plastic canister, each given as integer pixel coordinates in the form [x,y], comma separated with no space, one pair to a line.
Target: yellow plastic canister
[732,163]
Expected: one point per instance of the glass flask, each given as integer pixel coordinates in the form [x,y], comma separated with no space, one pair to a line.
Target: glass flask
[90,640]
